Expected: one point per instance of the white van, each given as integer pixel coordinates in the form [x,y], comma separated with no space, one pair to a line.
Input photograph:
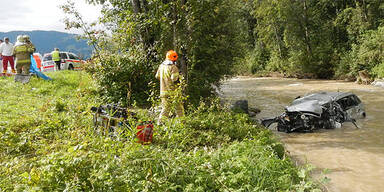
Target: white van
[69,61]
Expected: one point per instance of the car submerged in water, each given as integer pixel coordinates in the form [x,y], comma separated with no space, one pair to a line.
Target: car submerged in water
[324,110]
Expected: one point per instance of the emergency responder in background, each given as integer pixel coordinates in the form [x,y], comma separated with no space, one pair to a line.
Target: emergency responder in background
[18,40]
[22,53]
[1,59]
[168,74]
[56,58]
[28,42]
[6,52]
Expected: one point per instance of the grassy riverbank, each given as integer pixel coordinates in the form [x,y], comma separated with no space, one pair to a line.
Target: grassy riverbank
[48,144]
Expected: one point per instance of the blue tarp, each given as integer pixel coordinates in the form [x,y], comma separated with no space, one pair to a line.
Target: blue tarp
[34,69]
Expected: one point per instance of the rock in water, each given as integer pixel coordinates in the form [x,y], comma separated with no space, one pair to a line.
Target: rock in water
[240,106]
[379,83]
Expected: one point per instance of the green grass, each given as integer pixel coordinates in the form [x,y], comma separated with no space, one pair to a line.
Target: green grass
[48,144]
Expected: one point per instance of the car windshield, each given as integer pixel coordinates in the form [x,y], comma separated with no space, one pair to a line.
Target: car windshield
[63,56]
[73,56]
[47,57]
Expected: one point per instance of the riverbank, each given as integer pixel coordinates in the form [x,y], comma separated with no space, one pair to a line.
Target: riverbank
[49,143]
[351,157]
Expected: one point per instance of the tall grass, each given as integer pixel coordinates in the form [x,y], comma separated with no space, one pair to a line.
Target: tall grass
[48,144]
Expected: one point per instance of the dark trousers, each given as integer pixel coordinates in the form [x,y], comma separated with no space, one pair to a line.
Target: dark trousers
[58,65]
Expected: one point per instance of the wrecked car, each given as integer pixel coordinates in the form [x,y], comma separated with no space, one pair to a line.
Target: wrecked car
[326,110]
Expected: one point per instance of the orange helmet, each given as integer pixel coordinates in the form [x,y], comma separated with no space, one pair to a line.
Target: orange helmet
[172,55]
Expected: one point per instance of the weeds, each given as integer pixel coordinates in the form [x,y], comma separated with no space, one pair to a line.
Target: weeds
[48,144]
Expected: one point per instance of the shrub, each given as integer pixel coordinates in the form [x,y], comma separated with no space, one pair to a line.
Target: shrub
[367,55]
[118,75]
[211,149]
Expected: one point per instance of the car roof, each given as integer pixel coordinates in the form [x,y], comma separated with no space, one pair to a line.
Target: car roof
[46,54]
[322,97]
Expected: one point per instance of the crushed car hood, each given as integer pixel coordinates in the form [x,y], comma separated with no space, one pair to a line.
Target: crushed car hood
[311,106]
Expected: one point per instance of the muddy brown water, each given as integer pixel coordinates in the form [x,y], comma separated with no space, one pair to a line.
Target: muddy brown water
[353,158]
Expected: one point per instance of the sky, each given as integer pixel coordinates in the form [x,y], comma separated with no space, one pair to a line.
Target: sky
[27,15]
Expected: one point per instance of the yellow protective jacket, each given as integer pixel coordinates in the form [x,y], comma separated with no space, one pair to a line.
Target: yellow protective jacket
[167,73]
[30,44]
[22,53]
[55,56]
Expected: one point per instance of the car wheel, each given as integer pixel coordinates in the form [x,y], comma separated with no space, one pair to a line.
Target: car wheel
[70,67]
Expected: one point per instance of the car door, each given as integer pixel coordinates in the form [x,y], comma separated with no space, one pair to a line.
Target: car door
[353,106]
[47,63]
[74,61]
[63,57]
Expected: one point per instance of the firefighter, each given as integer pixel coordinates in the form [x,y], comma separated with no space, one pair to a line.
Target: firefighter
[168,74]
[18,40]
[22,52]
[27,41]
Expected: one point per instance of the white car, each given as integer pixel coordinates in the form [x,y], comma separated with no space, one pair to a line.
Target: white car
[69,61]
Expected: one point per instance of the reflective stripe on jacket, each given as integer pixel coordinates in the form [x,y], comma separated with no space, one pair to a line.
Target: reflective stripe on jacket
[55,56]
[167,74]
[22,54]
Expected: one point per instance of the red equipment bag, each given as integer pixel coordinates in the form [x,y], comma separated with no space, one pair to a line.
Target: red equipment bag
[145,132]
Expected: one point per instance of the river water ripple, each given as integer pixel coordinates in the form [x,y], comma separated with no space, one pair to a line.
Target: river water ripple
[353,157]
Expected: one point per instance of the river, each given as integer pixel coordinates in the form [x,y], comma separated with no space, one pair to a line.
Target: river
[353,158]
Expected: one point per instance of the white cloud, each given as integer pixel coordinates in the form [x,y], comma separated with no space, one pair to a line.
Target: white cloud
[40,14]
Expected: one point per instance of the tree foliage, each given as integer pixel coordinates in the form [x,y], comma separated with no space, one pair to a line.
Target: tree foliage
[368,55]
[311,37]
[300,38]
[206,34]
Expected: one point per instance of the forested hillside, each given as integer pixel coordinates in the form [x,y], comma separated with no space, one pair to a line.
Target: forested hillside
[321,39]
[219,38]
[45,41]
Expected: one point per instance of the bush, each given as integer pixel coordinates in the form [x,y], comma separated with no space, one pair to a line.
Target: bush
[120,76]
[378,70]
[211,149]
[367,55]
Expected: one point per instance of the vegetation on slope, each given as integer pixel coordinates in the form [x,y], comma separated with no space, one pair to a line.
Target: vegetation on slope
[48,143]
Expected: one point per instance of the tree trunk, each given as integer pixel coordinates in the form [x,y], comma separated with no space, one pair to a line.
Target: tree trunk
[278,40]
[144,5]
[183,52]
[306,30]
[136,6]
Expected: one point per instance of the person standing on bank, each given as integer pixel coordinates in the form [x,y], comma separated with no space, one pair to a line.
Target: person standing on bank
[6,51]
[168,74]
[23,52]
[1,58]
[56,58]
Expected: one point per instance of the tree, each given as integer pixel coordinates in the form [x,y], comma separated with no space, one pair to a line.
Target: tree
[204,33]
[310,37]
